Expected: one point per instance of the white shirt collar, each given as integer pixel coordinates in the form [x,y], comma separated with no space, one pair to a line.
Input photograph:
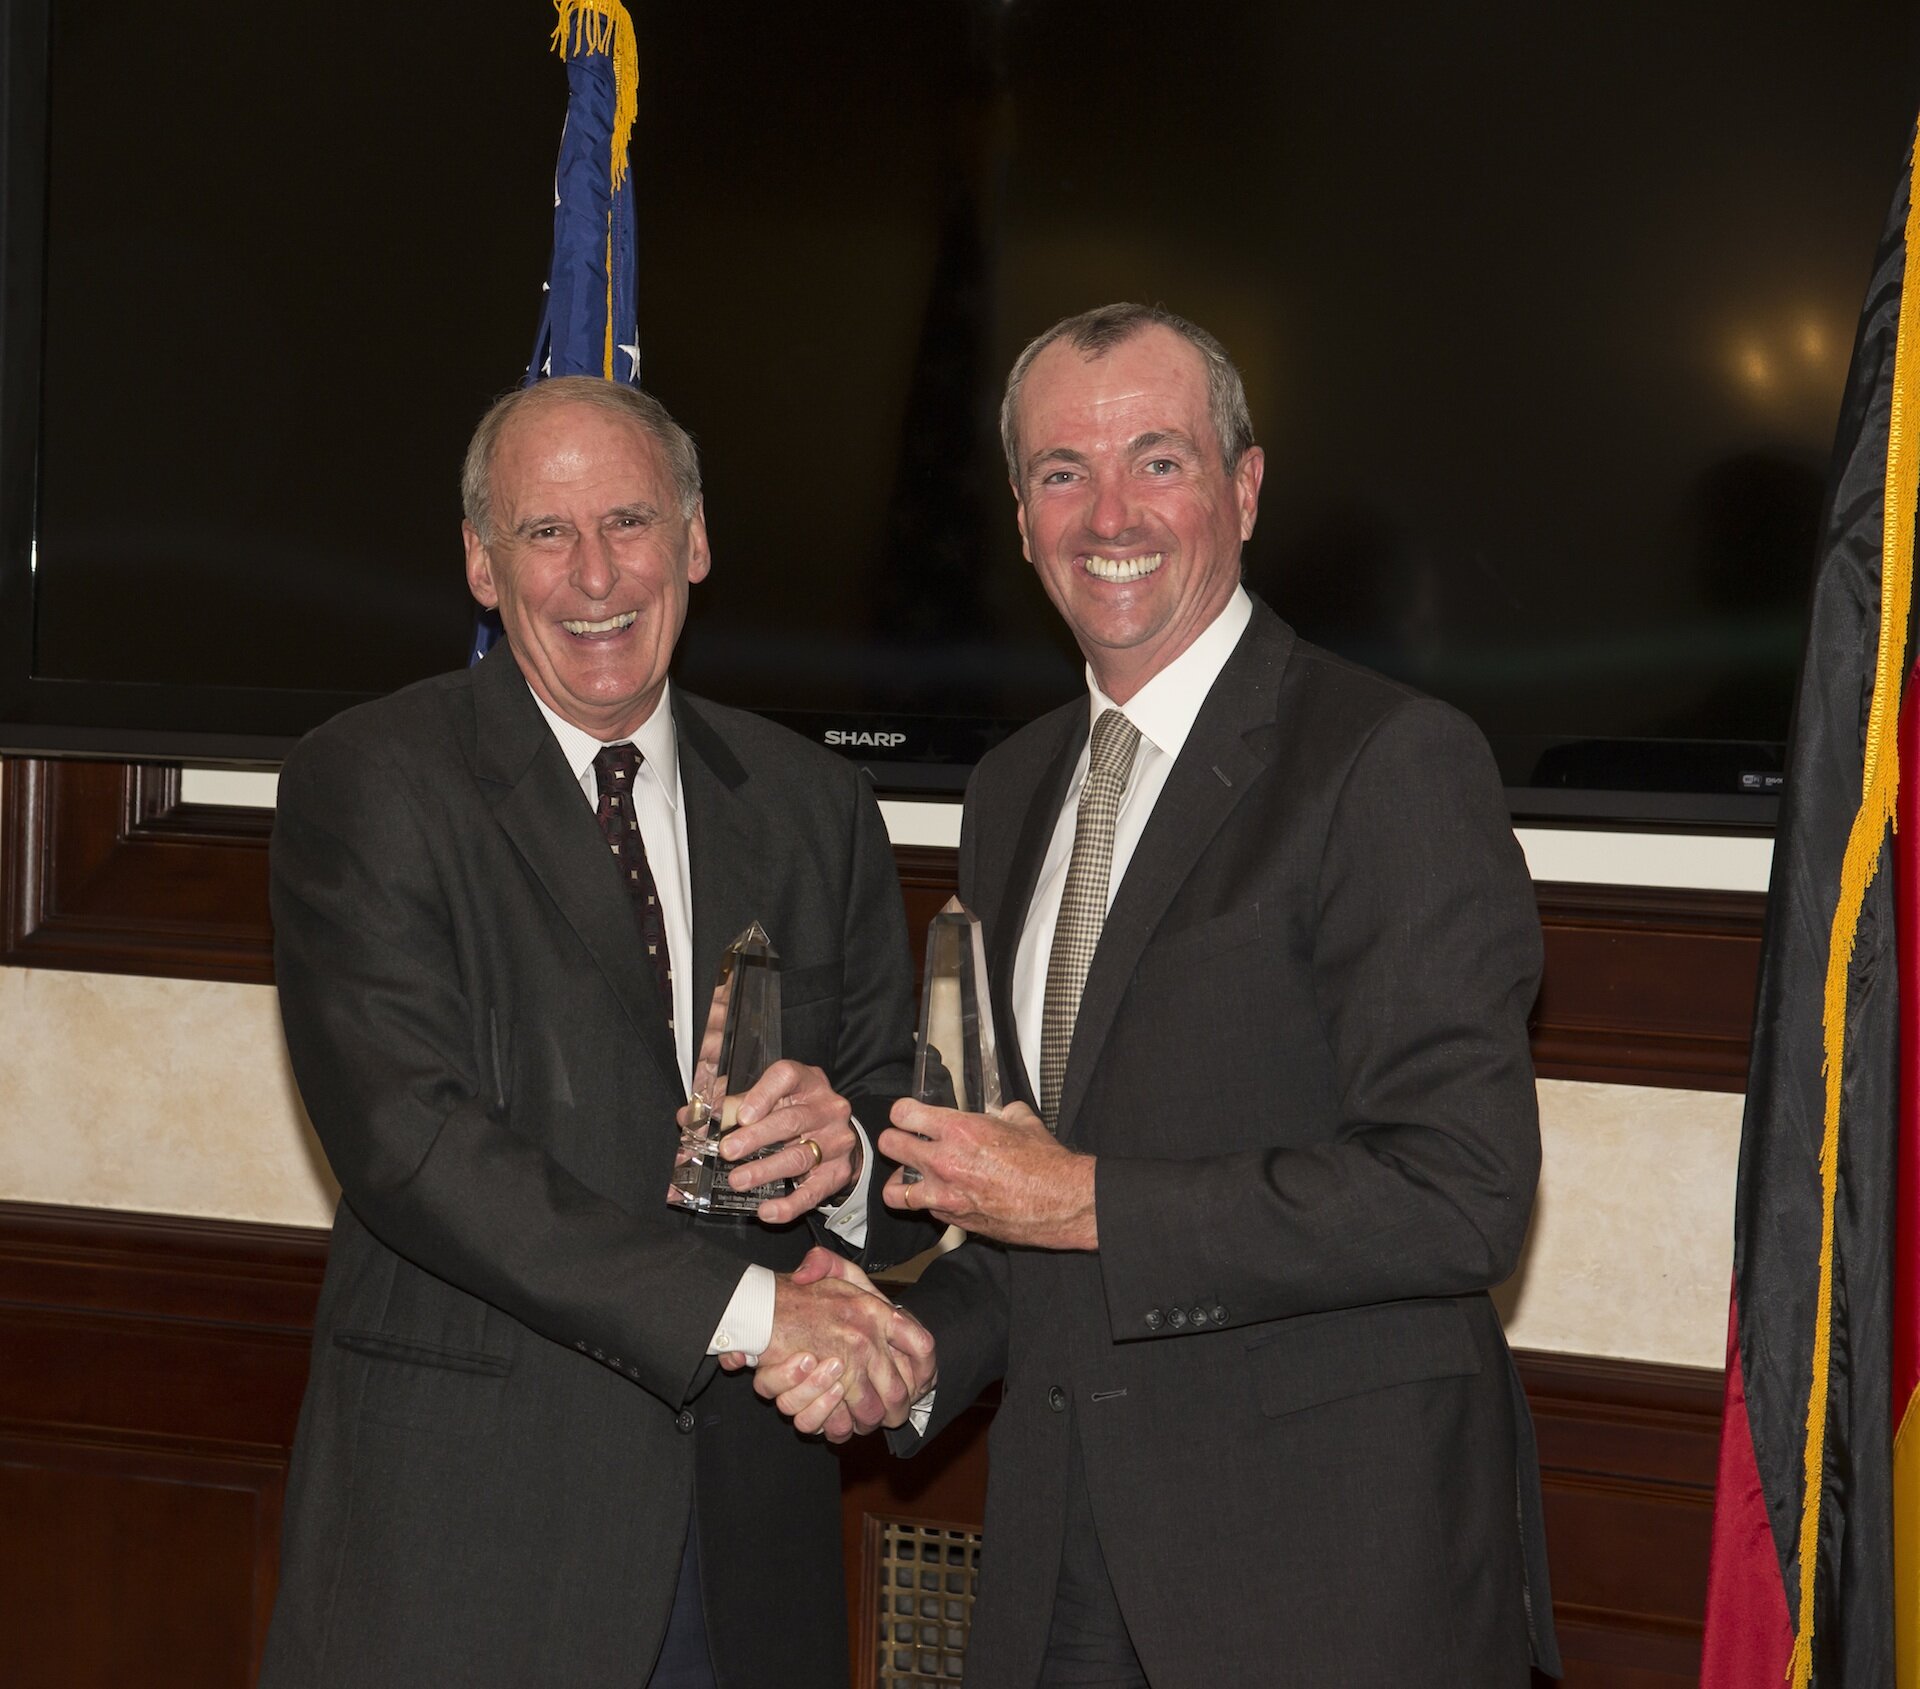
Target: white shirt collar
[654,739]
[1166,708]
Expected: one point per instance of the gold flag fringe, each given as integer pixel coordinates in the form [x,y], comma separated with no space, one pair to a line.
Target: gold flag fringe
[603,26]
[1880,781]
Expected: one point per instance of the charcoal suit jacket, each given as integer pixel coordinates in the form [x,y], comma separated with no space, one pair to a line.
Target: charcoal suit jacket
[510,1415]
[1301,1057]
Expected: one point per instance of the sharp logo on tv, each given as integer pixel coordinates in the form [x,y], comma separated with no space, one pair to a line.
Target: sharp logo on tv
[865,741]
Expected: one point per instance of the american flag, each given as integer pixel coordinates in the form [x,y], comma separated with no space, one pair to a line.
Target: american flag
[589,318]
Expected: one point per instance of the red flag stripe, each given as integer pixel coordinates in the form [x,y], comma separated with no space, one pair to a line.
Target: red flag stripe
[1750,1639]
[1906,856]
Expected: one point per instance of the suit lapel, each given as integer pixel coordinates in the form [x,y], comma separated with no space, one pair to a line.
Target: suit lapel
[538,804]
[1212,774]
[1009,915]
[724,846]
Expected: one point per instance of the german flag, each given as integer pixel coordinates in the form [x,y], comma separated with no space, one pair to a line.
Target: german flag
[1813,1579]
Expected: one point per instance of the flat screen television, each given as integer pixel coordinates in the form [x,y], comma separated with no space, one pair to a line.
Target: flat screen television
[1544,316]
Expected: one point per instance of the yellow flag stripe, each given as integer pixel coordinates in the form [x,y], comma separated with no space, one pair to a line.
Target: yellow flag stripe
[1880,780]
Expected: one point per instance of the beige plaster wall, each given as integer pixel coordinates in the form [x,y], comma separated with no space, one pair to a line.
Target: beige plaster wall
[173,1096]
[169,1096]
[1631,1252]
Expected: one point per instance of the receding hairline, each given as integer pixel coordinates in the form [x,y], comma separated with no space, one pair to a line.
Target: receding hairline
[532,412]
[1097,333]
[525,405]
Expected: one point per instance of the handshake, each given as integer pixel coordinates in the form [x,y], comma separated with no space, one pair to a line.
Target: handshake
[843,1359]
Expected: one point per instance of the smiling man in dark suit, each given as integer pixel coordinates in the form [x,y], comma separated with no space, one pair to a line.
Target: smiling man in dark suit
[516,1465]
[1262,949]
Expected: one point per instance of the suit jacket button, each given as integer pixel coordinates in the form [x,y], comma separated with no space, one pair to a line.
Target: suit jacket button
[684,1423]
[1198,1316]
[1219,1314]
[1056,1398]
[1177,1318]
[1153,1319]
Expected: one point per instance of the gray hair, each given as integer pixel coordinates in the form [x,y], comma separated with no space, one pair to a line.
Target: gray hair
[1096,333]
[613,397]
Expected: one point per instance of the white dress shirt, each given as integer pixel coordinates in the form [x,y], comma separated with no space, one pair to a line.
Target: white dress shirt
[747,1323]
[1164,710]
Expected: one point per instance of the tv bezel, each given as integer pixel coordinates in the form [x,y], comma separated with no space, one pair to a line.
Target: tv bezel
[104,719]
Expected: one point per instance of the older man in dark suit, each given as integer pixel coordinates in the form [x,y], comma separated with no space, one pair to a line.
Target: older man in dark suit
[516,1464]
[1262,949]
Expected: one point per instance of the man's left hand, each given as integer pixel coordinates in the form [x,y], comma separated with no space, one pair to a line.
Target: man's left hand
[1001,1175]
[793,1106]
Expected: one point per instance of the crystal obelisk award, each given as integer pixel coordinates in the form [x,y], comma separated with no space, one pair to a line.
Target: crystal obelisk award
[740,1041]
[957,1065]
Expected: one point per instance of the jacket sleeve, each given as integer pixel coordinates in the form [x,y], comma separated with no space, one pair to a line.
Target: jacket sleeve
[963,1299]
[1425,961]
[394,1063]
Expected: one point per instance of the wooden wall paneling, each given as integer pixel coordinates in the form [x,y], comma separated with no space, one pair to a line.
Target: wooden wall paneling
[1628,1457]
[1647,986]
[152,1379]
[122,1564]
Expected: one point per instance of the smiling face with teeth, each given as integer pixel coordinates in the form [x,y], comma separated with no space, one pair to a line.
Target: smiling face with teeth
[589,562]
[1128,512]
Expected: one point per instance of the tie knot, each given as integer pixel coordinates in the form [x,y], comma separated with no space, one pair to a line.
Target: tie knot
[615,766]
[1114,741]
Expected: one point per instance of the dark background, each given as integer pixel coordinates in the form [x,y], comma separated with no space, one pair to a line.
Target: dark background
[1544,319]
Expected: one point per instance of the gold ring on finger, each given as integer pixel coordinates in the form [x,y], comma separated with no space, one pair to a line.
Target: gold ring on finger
[808,1143]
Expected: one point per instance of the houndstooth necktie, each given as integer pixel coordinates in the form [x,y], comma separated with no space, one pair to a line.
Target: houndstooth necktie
[1083,901]
[615,769]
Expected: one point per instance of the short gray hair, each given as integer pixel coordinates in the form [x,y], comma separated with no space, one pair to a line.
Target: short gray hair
[613,397]
[1096,333]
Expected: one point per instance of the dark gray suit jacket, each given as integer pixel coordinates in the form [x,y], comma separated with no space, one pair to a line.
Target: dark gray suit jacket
[509,1400]
[1302,1059]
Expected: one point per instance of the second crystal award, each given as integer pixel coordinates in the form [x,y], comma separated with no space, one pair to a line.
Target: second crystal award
[740,1041]
[957,1065]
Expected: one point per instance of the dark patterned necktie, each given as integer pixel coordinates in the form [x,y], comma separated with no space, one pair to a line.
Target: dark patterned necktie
[616,768]
[1083,901]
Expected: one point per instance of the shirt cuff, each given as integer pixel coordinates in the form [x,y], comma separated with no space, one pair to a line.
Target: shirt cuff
[847,1218]
[922,1411]
[747,1325]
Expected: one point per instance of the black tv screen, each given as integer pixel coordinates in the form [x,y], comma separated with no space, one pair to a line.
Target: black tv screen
[1544,317]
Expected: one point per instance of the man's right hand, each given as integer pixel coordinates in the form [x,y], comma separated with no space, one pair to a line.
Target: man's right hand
[843,1358]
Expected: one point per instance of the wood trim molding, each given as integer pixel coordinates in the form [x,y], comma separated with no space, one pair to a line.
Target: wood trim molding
[1628,1458]
[104,869]
[161,1266]
[153,1378]
[1647,986]
[155,1368]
